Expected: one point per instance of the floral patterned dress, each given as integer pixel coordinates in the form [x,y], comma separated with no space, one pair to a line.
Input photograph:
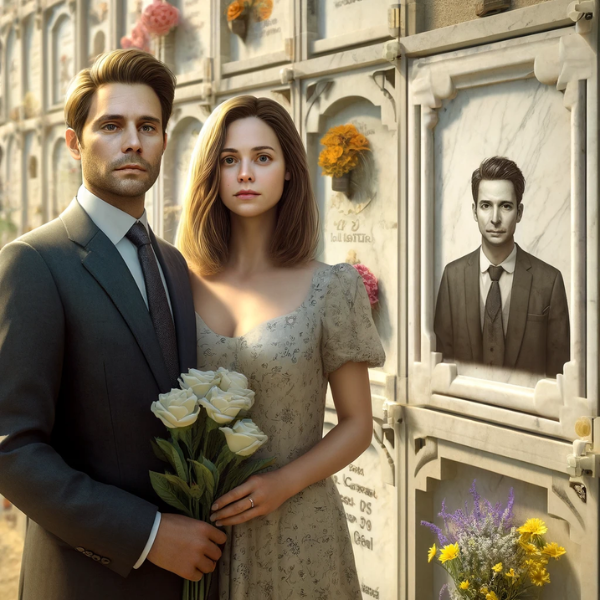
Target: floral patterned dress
[303,549]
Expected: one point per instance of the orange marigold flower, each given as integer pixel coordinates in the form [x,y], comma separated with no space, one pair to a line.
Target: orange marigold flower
[263,9]
[235,9]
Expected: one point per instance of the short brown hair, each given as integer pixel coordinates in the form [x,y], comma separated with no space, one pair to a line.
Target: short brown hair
[498,167]
[119,66]
[205,229]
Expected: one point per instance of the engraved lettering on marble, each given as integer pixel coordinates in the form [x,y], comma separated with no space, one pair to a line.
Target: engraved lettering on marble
[370,512]
[499,305]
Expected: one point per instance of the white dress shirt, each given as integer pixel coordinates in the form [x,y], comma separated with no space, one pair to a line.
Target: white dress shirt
[505,282]
[115,223]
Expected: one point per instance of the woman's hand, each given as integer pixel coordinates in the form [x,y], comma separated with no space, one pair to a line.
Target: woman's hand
[268,491]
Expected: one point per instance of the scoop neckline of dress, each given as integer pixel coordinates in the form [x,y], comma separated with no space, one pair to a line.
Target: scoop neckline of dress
[263,323]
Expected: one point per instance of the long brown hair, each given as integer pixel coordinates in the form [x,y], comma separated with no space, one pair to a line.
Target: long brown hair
[205,229]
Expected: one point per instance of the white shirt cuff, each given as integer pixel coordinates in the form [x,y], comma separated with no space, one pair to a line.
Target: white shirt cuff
[149,543]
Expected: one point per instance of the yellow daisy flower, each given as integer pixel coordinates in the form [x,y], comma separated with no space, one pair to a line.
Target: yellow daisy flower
[449,552]
[464,585]
[431,554]
[491,596]
[533,527]
[511,574]
[484,590]
[540,577]
[497,568]
[553,550]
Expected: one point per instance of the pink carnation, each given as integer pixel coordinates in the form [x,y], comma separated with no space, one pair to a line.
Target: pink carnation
[160,17]
[370,282]
[139,38]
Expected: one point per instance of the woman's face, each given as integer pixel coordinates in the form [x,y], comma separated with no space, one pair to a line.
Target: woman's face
[252,168]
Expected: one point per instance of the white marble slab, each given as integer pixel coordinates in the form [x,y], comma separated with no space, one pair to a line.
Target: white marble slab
[527,122]
[364,226]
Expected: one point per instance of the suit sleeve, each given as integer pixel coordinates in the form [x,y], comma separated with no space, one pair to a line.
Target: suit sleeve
[558,341]
[86,514]
[442,324]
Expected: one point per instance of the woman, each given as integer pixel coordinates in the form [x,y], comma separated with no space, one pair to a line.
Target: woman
[267,309]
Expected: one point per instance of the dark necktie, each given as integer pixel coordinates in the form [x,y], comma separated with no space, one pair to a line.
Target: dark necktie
[158,305]
[493,331]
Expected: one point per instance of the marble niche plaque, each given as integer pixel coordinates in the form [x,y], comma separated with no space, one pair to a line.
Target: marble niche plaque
[503,100]
[66,178]
[527,122]
[263,38]
[340,23]
[370,506]
[362,226]
[63,54]
[98,22]
[13,101]
[177,161]
[530,501]
[32,71]
[192,37]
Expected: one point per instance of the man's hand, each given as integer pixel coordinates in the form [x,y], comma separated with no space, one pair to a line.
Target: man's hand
[186,547]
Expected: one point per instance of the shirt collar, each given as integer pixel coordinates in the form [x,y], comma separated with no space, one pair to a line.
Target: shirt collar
[508,264]
[113,222]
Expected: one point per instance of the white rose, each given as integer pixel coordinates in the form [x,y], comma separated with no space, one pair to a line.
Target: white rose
[223,407]
[232,379]
[199,382]
[178,408]
[245,438]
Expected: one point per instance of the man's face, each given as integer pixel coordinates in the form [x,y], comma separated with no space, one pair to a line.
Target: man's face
[122,142]
[496,211]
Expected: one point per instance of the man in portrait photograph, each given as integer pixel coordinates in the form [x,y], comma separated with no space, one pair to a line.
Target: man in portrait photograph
[500,306]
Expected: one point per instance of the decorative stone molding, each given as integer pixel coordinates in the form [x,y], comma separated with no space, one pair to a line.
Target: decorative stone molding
[562,59]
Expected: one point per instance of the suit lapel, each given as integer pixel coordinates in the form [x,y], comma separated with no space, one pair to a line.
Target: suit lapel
[180,293]
[519,307]
[105,264]
[472,305]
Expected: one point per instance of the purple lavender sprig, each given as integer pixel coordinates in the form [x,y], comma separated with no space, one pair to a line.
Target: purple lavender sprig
[461,521]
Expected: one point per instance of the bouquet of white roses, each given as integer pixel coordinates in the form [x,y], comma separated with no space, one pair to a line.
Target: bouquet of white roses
[209,447]
[487,557]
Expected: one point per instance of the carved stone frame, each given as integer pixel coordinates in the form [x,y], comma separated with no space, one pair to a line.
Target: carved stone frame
[438,442]
[563,59]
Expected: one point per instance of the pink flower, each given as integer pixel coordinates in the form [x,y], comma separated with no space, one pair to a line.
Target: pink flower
[370,282]
[160,17]
[140,38]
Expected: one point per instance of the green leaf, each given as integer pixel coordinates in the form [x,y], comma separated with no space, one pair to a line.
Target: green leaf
[175,457]
[168,492]
[204,477]
[242,471]
[212,468]
[225,457]
[197,492]
[158,452]
[182,485]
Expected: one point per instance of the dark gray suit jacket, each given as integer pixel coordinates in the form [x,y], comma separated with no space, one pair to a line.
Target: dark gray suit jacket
[80,365]
[537,338]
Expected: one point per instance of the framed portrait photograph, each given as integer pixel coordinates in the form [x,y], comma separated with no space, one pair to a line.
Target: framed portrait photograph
[500,225]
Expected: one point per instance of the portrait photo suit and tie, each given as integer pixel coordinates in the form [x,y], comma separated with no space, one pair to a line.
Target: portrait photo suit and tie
[500,306]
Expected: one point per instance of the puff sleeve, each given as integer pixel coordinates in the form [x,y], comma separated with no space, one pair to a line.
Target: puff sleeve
[349,334]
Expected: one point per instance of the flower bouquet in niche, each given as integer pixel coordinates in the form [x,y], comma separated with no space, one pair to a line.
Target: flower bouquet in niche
[209,446]
[344,145]
[487,557]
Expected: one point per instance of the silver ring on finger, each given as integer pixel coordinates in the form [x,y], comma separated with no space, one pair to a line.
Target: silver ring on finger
[251,502]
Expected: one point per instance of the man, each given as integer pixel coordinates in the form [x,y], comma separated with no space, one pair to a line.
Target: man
[97,319]
[499,305]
